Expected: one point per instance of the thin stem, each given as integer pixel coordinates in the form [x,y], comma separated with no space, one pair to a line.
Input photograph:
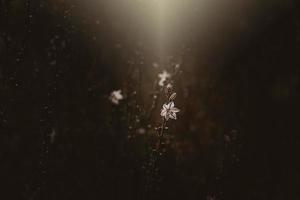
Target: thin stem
[163,127]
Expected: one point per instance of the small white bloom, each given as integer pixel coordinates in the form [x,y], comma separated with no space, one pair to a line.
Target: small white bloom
[163,77]
[169,86]
[116,96]
[169,111]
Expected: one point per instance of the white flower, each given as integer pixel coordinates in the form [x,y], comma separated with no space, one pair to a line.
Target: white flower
[155,65]
[169,111]
[169,86]
[163,77]
[116,96]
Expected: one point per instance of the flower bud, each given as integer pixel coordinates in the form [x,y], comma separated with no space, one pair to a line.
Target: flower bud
[172,97]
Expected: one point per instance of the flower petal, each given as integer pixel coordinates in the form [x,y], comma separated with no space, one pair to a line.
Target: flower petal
[175,110]
[173,115]
[171,105]
[165,106]
[163,112]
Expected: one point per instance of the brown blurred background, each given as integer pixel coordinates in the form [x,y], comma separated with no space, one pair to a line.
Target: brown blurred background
[236,136]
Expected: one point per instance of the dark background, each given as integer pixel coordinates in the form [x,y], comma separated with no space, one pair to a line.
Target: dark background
[60,137]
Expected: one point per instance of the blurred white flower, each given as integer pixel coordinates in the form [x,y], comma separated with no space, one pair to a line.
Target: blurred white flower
[169,86]
[169,111]
[163,77]
[155,65]
[116,96]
